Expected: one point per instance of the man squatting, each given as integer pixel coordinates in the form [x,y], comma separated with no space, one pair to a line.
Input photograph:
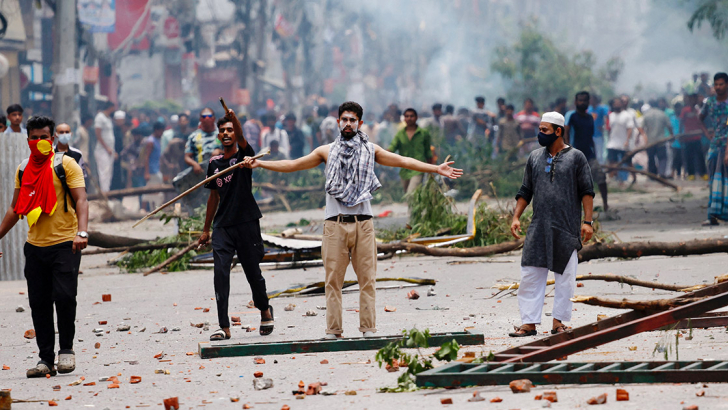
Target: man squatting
[348,229]
[558,181]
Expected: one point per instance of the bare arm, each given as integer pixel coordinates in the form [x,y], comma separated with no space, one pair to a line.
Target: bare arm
[242,142]
[391,159]
[212,202]
[147,153]
[587,231]
[312,160]
[11,218]
[79,196]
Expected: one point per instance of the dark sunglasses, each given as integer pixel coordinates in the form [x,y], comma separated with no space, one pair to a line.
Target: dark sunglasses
[206,116]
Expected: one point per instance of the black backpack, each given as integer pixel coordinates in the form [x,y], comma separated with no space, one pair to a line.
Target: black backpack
[60,173]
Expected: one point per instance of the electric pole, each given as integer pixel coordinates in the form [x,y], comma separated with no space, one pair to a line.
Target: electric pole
[65,73]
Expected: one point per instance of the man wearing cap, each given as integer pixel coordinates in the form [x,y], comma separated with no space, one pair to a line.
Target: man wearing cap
[558,180]
[117,179]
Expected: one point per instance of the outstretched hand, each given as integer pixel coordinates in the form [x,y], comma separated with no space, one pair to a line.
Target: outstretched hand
[447,171]
[250,162]
[230,114]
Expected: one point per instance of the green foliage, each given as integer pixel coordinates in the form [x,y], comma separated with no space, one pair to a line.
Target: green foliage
[393,355]
[168,106]
[542,71]
[715,12]
[141,260]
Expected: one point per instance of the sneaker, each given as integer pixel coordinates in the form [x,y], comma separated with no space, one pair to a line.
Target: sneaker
[368,334]
[705,177]
[41,370]
[332,336]
[691,177]
[66,361]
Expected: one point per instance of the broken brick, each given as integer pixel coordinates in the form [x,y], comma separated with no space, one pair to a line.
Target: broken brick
[103,322]
[700,393]
[159,355]
[113,386]
[446,401]
[171,403]
[259,360]
[235,399]
[258,374]
[57,388]
[496,400]
[313,389]
[579,285]
[197,325]
[69,398]
[106,298]
[476,397]
[390,309]
[285,407]
[550,396]
[413,295]
[29,334]
[538,397]
[97,345]
[691,407]
[601,399]
[135,379]
[6,367]
[235,319]
[391,369]
[51,403]
[622,395]
[324,361]
[521,386]
[205,310]
[247,406]
[90,384]
[190,353]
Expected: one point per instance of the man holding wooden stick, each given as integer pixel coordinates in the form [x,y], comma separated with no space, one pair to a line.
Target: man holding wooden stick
[349,230]
[236,225]
[558,180]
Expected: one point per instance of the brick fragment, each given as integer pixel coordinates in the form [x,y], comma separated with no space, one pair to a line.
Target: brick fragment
[601,399]
[521,386]
[29,334]
[550,396]
[324,361]
[51,403]
[622,395]
[171,403]
[258,374]
[106,298]
[135,379]
[446,401]
[496,400]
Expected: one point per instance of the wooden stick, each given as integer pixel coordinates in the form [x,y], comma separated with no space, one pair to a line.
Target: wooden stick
[224,106]
[613,278]
[201,183]
[135,248]
[649,175]
[172,258]
[657,304]
[632,153]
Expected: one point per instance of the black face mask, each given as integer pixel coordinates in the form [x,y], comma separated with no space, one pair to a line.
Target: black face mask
[546,139]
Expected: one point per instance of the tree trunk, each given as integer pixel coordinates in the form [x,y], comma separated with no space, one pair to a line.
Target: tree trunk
[657,304]
[171,259]
[638,249]
[649,175]
[103,240]
[462,252]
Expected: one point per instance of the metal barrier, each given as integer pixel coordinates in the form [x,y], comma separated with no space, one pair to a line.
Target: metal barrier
[13,149]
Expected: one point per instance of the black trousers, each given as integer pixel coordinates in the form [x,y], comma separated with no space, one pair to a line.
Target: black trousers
[657,155]
[245,240]
[52,276]
[694,158]
[677,160]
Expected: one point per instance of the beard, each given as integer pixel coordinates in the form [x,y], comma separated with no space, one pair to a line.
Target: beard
[348,133]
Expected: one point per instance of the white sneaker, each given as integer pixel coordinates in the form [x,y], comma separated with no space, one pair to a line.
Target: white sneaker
[332,336]
[368,334]
[66,362]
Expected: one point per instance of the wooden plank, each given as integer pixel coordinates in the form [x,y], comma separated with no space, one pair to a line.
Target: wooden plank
[713,372]
[209,350]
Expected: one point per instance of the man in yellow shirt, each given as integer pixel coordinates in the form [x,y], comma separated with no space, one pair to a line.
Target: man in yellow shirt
[58,219]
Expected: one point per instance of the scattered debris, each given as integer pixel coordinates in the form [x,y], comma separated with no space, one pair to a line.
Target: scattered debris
[431,291]
[691,407]
[29,334]
[171,403]
[311,313]
[390,309]
[123,328]
[258,374]
[159,355]
[521,386]
[324,361]
[135,379]
[550,396]
[622,395]
[176,329]
[235,400]
[700,393]
[313,389]
[106,298]
[290,307]
[350,393]
[413,295]
[476,397]
[262,383]
[601,399]
[235,319]
[197,325]
[162,331]
[321,307]
[446,401]
[251,305]
[6,367]
[161,371]
[20,309]
[259,360]
[496,400]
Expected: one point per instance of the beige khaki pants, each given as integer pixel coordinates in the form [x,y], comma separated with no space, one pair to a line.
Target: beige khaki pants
[411,184]
[344,242]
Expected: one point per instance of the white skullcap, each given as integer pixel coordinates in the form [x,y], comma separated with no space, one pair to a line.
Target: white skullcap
[119,115]
[645,107]
[553,118]
[174,118]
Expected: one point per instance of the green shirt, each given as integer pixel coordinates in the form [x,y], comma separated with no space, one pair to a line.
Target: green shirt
[418,148]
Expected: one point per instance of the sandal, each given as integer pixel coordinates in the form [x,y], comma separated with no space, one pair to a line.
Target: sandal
[524,334]
[42,369]
[266,326]
[219,334]
[559,329]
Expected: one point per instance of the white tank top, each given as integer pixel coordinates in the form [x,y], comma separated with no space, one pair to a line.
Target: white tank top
[335,208]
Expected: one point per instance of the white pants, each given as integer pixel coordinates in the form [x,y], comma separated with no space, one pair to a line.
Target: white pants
[105,168]
[531,292]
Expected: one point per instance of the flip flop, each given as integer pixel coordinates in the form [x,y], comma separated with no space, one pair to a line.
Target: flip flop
[219,334]
[266,326]
[526,332]
[559,329]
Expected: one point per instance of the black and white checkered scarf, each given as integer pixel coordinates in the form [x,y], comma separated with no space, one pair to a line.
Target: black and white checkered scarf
[350,170]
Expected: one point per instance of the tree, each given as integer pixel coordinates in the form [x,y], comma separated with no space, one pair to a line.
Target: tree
[715,12]
[540,70]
